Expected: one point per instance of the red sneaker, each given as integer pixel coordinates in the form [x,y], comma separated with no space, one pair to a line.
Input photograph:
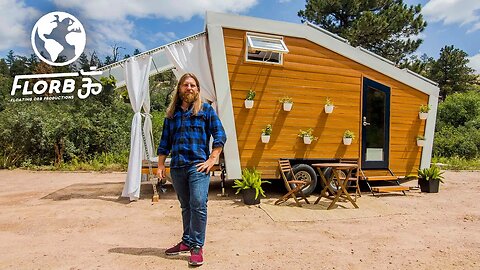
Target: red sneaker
[196,256]
[177,249]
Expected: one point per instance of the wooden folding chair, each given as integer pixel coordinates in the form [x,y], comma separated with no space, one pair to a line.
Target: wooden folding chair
[353,180]
[289,179]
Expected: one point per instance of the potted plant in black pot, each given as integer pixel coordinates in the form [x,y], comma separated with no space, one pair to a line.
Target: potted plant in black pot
[250,186]
[429,179]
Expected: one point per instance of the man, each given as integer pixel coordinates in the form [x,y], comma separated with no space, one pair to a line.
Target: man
[186,132]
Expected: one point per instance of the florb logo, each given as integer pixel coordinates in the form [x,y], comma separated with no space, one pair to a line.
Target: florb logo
[58,38]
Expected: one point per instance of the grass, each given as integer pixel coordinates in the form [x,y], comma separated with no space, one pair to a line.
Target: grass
[108,162]
[457,163]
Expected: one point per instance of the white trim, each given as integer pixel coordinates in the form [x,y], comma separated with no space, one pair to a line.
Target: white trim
[323,39]
[429,133]
[266,38]
[224,99]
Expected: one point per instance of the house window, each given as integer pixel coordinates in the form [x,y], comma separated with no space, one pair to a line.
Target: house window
[265,49]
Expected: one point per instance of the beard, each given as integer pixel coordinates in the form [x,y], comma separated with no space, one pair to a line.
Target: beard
[189,97]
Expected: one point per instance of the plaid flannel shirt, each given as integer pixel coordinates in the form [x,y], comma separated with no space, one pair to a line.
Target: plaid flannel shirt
[187,137]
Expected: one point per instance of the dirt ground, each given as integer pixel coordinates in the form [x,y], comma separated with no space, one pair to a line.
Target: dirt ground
[54,220]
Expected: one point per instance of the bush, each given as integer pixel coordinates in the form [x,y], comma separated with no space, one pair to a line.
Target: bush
[461,141]
[459,109]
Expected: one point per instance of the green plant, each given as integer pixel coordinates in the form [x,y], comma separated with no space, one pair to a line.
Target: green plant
[250,179]
[267,130]
[251,94]
[286,99]
[108,82]
[432,173]
[425,108]
[328,102]
[420,137]
[307,133]
[349,134]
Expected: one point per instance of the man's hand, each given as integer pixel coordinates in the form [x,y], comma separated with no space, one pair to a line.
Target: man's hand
[161,173]
[206,166]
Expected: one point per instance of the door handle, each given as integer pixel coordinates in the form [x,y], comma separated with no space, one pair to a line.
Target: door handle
[365,123]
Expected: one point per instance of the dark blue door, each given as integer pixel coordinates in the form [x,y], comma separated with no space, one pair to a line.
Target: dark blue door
[375,125]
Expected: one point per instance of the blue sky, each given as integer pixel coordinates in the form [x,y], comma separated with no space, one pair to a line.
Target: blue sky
[146,24]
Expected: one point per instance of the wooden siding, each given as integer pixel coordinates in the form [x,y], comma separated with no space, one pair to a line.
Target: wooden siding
[310,74]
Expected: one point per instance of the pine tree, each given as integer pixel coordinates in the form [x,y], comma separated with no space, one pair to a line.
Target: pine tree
[451,72]
[385,27]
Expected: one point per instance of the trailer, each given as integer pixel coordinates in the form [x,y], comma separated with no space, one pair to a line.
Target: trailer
[372,98]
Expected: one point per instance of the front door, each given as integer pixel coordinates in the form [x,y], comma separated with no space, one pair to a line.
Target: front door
[375,125]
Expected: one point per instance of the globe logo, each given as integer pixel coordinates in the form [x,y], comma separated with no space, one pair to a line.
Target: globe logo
[58,38]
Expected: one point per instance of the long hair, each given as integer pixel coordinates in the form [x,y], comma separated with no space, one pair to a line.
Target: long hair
[176,100]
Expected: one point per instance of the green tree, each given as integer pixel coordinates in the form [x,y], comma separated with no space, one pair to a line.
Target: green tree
[451,72]
[421,65]
[385,27]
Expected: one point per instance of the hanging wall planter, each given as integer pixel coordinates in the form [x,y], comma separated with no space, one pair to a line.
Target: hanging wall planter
[249,99]
[287,106]
[348,137]
[420,141]
[248,103]
[287,103]
[307,136]
[266,133]
[422,116]
[329,106]
[423,113]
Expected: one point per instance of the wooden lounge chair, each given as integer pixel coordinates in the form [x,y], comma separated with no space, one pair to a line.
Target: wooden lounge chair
[289,179]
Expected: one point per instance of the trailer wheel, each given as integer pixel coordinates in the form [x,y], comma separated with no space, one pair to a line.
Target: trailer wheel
[334,184]
[306,173]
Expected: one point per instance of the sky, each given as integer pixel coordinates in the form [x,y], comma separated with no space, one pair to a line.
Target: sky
[147,24]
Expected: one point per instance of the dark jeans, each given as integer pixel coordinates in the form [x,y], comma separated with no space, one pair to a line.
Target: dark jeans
[192,192]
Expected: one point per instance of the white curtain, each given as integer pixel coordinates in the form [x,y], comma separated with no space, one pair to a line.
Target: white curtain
[147,126]
[191,56]
[136,75]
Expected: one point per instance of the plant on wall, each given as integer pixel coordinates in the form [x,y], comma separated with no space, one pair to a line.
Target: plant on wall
[348,137]
[329,105]
[420,140]
[307,136]
[266,133]
[249,99]
[423,113]
[287,103]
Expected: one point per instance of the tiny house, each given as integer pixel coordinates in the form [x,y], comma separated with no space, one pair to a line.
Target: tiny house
[372,98]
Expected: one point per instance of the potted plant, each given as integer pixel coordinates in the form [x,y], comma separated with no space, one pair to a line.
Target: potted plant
[249,100]
[266,133]
[420,140]
[250,186]
[348,137]
[328,106]
[424,109]
[307,136]
[287,103]
[429,179]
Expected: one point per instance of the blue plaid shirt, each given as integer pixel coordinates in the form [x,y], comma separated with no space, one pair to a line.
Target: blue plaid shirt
[187,136]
